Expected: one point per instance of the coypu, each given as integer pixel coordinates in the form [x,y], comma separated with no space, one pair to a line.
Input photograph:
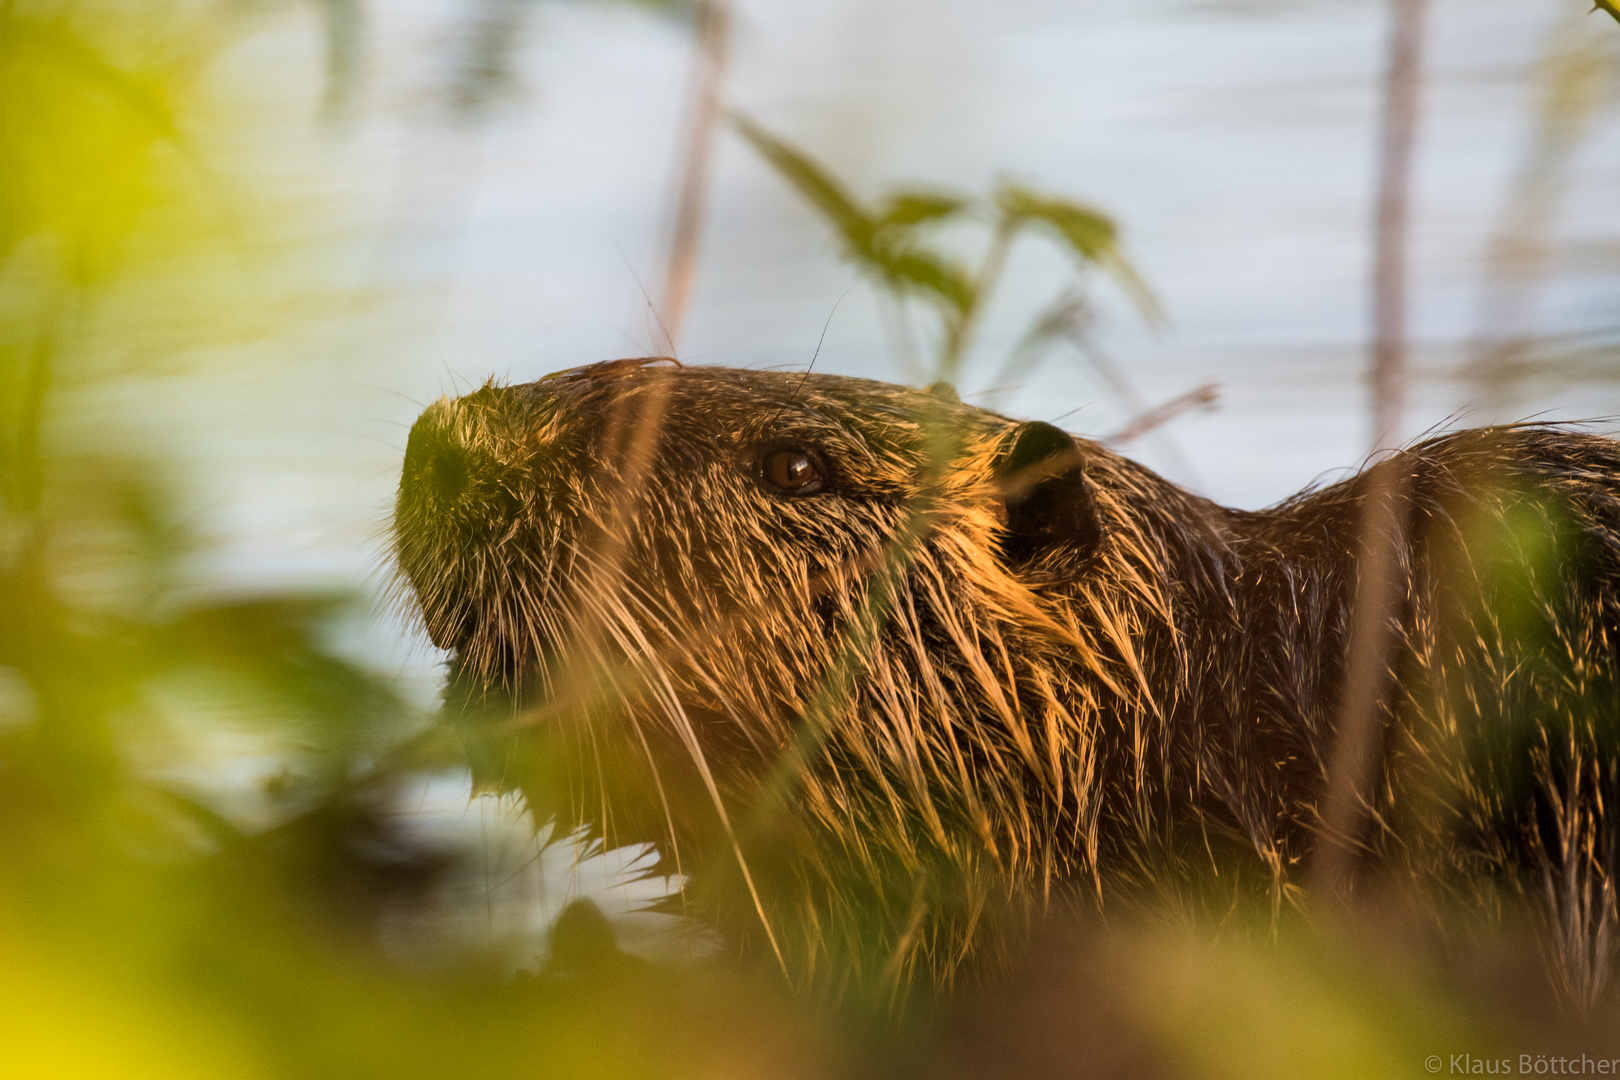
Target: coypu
[887,674]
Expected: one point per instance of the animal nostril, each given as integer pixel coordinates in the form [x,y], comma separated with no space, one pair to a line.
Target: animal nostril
[447,473]
[438,465]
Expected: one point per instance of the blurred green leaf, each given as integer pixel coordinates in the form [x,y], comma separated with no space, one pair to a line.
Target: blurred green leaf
[344,21]
[880,243]
[75,135]
[486,42]
[905,208]
[887,242]
[909,268]
[825,193]
[1609,6]
[1090,234]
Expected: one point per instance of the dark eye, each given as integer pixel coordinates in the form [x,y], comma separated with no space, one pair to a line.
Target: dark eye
[791,471]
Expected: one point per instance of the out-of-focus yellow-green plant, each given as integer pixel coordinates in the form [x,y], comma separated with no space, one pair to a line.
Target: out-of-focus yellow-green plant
[79,138]
[129,912]
[890,243]
[202,848]
[78,132]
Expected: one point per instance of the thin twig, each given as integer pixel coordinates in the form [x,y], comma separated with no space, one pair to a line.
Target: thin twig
[1147,420]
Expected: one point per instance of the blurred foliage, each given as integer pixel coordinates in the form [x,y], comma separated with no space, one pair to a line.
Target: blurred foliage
[76,134]
[1578,69]
[894,243]
[71,117]
[483,67]
[205,840]
[344,34]
[482,48]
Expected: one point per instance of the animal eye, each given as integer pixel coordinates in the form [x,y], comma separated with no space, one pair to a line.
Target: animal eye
[791,471]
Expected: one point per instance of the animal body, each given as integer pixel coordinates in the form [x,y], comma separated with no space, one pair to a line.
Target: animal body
[888,674]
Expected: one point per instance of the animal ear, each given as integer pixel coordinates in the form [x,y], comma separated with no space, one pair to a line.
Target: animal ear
[1052,523]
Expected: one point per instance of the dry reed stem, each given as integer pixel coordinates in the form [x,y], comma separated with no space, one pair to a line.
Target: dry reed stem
[713,39]
[1352,764]
[1403,84]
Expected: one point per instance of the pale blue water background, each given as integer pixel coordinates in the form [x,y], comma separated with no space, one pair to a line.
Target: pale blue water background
[1234,142]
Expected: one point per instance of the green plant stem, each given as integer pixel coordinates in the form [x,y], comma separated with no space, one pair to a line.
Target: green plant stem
[960,332]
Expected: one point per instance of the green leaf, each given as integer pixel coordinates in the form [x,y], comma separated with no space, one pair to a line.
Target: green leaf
[814,183]
[879,245]
[918,270]
[1609,6]
[1090,234]
[907,208]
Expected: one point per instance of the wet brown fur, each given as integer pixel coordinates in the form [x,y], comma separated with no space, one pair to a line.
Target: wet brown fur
[866,727]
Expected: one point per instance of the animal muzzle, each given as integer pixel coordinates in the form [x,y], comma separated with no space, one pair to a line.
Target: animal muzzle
[458,502]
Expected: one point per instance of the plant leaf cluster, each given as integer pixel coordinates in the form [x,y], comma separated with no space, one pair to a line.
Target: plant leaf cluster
[895,240]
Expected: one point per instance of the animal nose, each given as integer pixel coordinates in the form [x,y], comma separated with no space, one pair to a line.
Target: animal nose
[453,463]
[446,472]
[459,466]
[436,462]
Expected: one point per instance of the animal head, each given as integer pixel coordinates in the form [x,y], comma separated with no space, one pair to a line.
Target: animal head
[834,612]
